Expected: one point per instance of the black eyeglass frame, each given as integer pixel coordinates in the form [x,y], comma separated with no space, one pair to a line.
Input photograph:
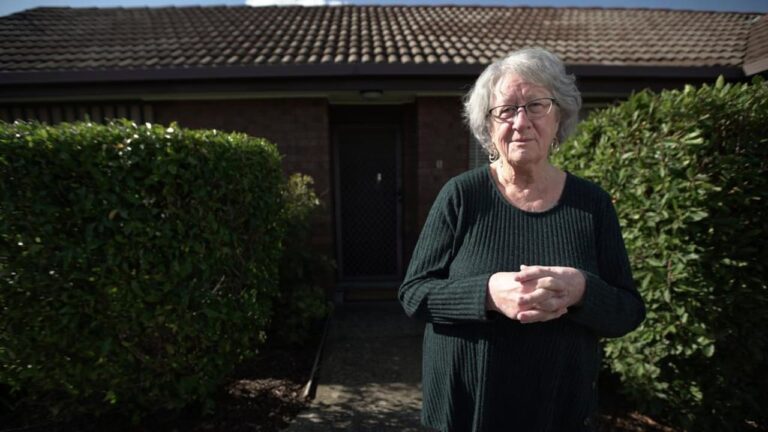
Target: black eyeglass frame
[524,107]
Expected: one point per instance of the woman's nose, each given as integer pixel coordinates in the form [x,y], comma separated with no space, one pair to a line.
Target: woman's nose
[521,119]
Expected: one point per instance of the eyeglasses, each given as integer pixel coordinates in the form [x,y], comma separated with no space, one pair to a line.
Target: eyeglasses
[534,109]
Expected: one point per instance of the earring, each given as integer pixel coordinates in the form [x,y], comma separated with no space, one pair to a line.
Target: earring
[554,145]
[493,156]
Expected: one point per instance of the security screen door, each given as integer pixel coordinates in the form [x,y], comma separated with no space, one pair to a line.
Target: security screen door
[367,202]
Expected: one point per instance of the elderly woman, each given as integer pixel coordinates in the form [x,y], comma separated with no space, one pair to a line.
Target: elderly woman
[520,267]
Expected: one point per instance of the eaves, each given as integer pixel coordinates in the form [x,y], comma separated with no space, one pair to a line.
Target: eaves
[342,71]
[323,79]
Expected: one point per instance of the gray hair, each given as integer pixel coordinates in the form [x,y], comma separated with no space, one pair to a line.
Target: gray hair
[534,65]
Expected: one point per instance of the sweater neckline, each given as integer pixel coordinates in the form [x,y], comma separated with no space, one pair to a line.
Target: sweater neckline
[554,208]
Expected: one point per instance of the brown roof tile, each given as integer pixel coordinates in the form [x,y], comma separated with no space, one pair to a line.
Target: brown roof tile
[64,39]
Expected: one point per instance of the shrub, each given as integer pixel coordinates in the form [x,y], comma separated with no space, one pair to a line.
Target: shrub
[301,301]
[137,263]
[687,170]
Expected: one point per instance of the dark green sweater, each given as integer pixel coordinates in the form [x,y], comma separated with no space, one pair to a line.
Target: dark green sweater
[483,371]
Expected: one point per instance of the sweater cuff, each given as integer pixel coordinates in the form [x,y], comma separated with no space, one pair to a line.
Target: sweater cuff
[464,300]
[596,298]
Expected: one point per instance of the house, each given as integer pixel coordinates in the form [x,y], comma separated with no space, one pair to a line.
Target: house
[365,99]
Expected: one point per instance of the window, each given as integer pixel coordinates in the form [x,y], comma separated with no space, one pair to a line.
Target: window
[69,112]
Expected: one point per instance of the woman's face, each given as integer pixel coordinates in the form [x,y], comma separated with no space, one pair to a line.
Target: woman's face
[521,140]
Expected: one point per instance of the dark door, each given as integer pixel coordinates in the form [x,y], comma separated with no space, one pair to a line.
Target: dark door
[367,202]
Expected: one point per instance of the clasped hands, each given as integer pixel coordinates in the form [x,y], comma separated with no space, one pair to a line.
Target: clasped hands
[535,293]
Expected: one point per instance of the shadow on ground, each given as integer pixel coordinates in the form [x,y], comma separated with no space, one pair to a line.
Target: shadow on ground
[370,374]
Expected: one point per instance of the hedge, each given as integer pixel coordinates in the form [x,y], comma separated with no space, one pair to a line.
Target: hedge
[302,301]
[137,263]
[688,172]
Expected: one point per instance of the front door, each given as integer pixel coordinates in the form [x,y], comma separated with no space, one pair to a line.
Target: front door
[367,203]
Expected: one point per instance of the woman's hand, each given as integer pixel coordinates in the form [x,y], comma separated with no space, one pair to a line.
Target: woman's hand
[535,293]
[505,292]
[548,291]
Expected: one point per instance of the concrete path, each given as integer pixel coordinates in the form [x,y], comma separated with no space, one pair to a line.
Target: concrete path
[370,373]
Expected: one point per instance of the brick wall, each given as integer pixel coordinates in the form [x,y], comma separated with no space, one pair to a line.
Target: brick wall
[299,128]
[443,148]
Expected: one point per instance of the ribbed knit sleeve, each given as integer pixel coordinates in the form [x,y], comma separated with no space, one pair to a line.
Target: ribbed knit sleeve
[427,293]
[611,306]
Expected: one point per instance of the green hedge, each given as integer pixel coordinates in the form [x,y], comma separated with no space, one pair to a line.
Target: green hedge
[688,172]
[137,263]
[302,301]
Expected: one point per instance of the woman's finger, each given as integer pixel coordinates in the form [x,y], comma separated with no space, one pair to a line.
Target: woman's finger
[533,316]
[543,288]
[539,295]
[548,302]
[528,273]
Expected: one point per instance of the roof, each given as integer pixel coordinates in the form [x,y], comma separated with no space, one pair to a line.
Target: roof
[254,41]
[757,47]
